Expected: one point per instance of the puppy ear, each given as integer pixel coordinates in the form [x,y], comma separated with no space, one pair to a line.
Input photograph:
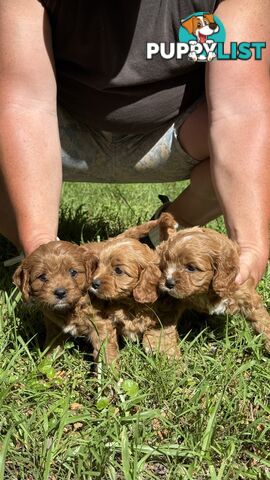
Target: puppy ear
[226,268]
[91,263]
[146,290]
[21,280]
[209,17]
[188,24]
[167,226]
[90,254]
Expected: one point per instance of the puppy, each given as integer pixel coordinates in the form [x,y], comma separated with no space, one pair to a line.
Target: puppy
[128,276]
[199,267]
[55,277]
[202,27]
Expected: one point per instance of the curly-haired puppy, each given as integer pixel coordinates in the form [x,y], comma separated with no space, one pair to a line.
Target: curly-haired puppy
[55,277]
[199,266]
[128,276]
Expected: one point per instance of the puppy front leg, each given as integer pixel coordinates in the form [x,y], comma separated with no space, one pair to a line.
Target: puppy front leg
[55,337]
[193,55]
[257,314]
[104,335]
[163,340]
[249,303]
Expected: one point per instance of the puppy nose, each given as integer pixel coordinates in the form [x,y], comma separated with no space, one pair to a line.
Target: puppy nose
[60,293]
[96,283]
[213,26]
[170,283]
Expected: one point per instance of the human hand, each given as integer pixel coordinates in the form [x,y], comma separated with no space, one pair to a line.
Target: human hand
[253,262]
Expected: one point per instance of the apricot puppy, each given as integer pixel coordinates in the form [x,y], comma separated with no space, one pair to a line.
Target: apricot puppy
[128,276]
[199,267]
[55,277]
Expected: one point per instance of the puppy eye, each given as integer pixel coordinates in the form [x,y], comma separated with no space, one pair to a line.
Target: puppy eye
[190,268]
[43,277]
[118,271]
[73,273]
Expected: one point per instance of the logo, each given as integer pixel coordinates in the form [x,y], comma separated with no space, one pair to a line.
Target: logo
[202,32]
[201,38]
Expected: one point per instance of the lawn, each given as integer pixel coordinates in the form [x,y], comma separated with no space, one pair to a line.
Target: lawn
[206,416]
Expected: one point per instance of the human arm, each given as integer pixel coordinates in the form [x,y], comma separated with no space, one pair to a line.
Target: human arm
[30,160]
[239,112]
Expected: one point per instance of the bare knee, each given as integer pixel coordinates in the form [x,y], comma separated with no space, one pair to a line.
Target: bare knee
[193,134]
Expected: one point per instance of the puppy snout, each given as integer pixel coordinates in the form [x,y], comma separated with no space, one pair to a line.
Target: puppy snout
[96,283]
[60,293]
[213,26]
[170,283]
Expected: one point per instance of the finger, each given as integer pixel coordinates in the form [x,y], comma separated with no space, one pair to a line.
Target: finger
[250,267]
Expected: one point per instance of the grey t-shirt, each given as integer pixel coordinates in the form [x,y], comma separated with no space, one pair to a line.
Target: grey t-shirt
[103,75]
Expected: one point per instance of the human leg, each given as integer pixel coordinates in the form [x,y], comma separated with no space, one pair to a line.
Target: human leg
[197,204]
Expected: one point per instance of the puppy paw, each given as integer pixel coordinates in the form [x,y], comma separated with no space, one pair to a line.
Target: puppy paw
[173,353]
[193,56]
[211,56]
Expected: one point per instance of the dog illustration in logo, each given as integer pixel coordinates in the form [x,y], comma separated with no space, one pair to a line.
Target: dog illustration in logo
[202,27]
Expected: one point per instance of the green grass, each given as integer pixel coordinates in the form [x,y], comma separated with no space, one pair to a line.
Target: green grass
[206,416]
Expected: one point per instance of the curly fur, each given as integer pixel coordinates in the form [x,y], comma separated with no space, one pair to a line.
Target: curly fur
[60,265]
[199,266]
[128,276]
[80,313]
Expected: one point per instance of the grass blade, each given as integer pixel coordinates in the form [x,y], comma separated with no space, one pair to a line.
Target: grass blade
[3,454]
[125,454]
[210,428]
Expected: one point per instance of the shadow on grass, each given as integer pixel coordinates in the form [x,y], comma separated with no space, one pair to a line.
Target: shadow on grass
[31,328]
[192,323]
[74,226]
